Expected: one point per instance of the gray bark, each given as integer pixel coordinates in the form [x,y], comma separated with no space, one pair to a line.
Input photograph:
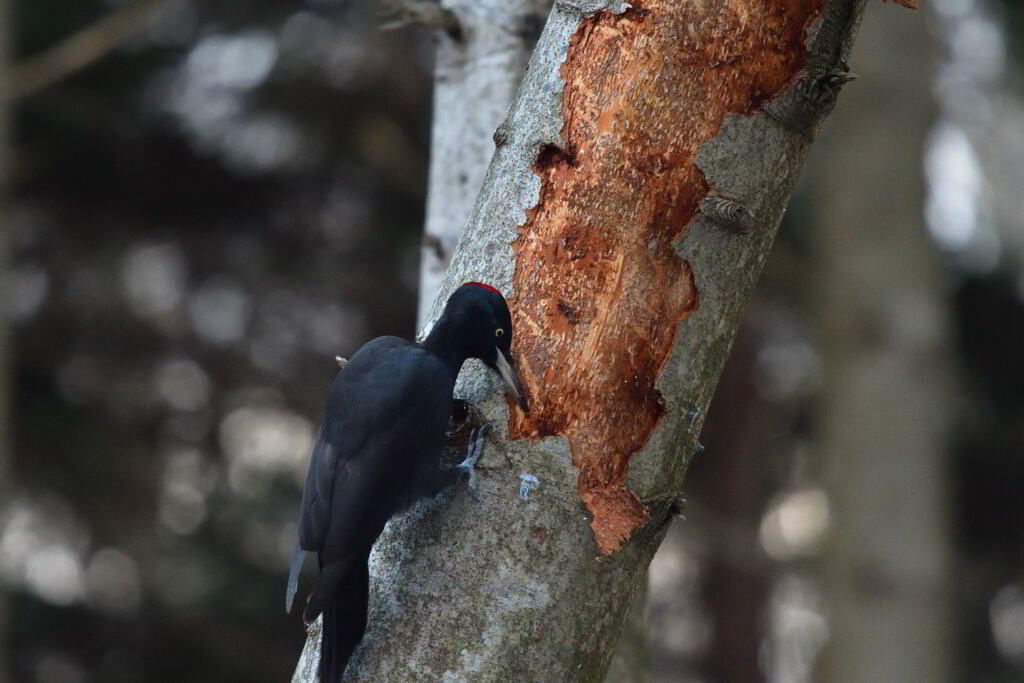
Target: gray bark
[630,663]
[887,403]
[507,589]
[475,76]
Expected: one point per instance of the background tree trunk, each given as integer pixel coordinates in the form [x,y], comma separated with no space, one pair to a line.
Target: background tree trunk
[732,481]
[476,73]
[641,141]
[887,402]
[5,164]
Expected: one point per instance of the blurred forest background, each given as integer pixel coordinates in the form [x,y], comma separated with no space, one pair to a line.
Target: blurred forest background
[225,195]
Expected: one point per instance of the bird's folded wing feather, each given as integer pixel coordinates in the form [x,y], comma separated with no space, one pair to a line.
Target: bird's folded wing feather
[293,578]
[315,515]
[384,427]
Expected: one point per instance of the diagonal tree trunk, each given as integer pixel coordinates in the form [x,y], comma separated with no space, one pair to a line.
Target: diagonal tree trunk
[643,141]
[482,51]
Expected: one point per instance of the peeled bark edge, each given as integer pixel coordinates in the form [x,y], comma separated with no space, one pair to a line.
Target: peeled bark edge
[742,161]
[590,400]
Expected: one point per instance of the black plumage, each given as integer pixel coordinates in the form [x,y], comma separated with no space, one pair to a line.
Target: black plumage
[379,451]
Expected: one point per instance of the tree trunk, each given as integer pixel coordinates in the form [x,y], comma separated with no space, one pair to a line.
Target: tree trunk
[643,140]
[887,404]
[5,165]
[629,663]
[734,490]
[477,69]
[476,73]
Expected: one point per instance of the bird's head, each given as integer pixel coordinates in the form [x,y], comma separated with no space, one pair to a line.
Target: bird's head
[481,325]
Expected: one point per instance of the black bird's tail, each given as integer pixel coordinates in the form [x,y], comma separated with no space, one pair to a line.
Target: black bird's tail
[344,618]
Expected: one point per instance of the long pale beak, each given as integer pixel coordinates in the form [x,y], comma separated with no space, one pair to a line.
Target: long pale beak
[511,379]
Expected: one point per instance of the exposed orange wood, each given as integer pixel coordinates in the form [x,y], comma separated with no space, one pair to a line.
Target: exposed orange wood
[601,289]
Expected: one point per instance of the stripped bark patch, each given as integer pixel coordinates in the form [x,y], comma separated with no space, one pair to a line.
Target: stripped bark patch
[620,510]
[602,291]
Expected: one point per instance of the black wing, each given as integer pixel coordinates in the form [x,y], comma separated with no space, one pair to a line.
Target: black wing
[316,496]
[380,441]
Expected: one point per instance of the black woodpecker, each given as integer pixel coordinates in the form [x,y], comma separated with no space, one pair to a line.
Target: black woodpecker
[379,451]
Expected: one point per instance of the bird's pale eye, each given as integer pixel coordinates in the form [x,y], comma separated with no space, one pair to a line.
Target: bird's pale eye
[499,332]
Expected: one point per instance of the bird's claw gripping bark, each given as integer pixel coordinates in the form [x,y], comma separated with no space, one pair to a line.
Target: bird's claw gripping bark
[476,449]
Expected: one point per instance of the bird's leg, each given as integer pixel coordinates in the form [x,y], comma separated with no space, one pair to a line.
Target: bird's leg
[465,418]
[446,473]
[476,449]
